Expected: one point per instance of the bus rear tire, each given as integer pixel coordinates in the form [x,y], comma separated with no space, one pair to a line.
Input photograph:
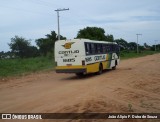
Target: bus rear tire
[79,74]
[100,69]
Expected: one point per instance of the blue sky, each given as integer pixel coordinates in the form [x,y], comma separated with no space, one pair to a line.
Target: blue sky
[33,19]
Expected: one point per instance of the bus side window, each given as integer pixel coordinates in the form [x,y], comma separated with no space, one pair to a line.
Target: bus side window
[113,48]
[99,48]
[93,48]
[87,48]
[96,48]
[117,49]
[108,48]
[90,49]
[104,48]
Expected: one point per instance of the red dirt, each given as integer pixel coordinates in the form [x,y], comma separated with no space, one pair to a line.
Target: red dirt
[135,82]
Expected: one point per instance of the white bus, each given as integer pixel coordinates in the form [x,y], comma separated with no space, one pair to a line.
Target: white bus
[83,56]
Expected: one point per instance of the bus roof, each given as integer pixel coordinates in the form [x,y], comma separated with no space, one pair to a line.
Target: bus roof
[86,40]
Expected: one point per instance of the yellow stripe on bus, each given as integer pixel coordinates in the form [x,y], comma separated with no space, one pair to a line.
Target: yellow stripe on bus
[91,68]
[71,67]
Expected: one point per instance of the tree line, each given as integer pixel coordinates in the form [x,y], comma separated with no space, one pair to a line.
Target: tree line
[22,48]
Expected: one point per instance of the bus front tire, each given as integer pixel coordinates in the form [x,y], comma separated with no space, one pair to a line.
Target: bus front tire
[100,69]
[114,68]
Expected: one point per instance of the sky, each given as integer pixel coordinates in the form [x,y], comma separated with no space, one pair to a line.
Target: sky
[33,19]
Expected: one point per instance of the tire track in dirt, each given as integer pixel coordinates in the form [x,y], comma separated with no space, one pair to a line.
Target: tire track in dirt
[133,87]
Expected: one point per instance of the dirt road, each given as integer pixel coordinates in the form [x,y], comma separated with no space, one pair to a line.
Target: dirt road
[133,87]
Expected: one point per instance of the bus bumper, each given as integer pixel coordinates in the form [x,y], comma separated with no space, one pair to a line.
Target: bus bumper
[70,70]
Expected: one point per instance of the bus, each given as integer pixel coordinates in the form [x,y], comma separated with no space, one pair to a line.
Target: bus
[84,56]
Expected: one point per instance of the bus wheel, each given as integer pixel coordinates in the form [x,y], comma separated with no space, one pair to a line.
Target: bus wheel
[100,69]
[114,68]
[79,74]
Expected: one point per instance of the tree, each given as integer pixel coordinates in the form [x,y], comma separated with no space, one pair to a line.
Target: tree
[109,38]
[1,54]
[93,33]
[157,47]
[22,47]
[122,43]
[141,48]
[32,51]
[52,36]
[19,46]
[47,44]
[132,45]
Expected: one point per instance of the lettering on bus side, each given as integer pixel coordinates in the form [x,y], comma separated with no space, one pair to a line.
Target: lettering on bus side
[69,60]
[101,57]
[88,59]
[68,52]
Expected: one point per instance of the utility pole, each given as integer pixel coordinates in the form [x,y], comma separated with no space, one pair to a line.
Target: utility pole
[137,41]
[58,20]
[155,44]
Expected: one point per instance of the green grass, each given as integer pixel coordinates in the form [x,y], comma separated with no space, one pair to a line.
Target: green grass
[11,67]
[133,54]
[15,67]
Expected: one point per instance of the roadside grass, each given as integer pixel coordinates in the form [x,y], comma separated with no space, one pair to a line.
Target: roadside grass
[18,67]
[133,54]
[12,67]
